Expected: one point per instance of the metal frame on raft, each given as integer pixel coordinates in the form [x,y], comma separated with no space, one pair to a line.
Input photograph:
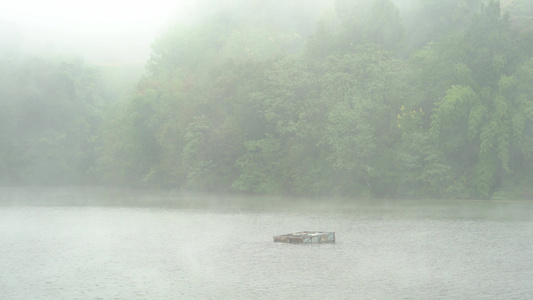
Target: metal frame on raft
[306,237]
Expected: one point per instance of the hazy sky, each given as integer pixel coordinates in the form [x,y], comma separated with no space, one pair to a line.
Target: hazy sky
[102,31]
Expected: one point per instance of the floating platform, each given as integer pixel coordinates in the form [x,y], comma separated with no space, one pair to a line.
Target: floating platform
[306,237]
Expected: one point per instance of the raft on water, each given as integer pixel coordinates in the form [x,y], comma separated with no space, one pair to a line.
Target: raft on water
[306,237]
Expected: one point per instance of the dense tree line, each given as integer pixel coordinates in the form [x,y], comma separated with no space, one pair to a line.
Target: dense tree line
[431,101]
[48,115]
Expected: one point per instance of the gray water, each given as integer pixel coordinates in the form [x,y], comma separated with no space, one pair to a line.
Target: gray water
[400,250]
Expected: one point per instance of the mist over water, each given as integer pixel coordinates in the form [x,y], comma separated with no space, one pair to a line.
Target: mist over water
[132,136]
[384,250]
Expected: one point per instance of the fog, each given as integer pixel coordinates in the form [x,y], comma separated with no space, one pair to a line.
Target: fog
[105,32]
[295,98]
[115,32]
[152,150]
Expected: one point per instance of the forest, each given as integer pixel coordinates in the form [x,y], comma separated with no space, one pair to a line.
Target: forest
[418,99]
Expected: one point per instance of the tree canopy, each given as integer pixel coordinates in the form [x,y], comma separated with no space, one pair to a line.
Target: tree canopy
[405,99]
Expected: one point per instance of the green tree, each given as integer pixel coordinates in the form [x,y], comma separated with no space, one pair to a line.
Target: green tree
[473,122]
[52,114]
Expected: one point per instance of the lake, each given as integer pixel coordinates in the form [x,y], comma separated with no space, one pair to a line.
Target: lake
[384,249]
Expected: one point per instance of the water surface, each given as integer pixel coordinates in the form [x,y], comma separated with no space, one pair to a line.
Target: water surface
[387,250]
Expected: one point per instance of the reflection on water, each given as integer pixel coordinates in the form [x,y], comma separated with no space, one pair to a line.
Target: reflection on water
[415,250]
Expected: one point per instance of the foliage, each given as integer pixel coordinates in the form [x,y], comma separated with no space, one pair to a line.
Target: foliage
[49,116]
[434,102]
